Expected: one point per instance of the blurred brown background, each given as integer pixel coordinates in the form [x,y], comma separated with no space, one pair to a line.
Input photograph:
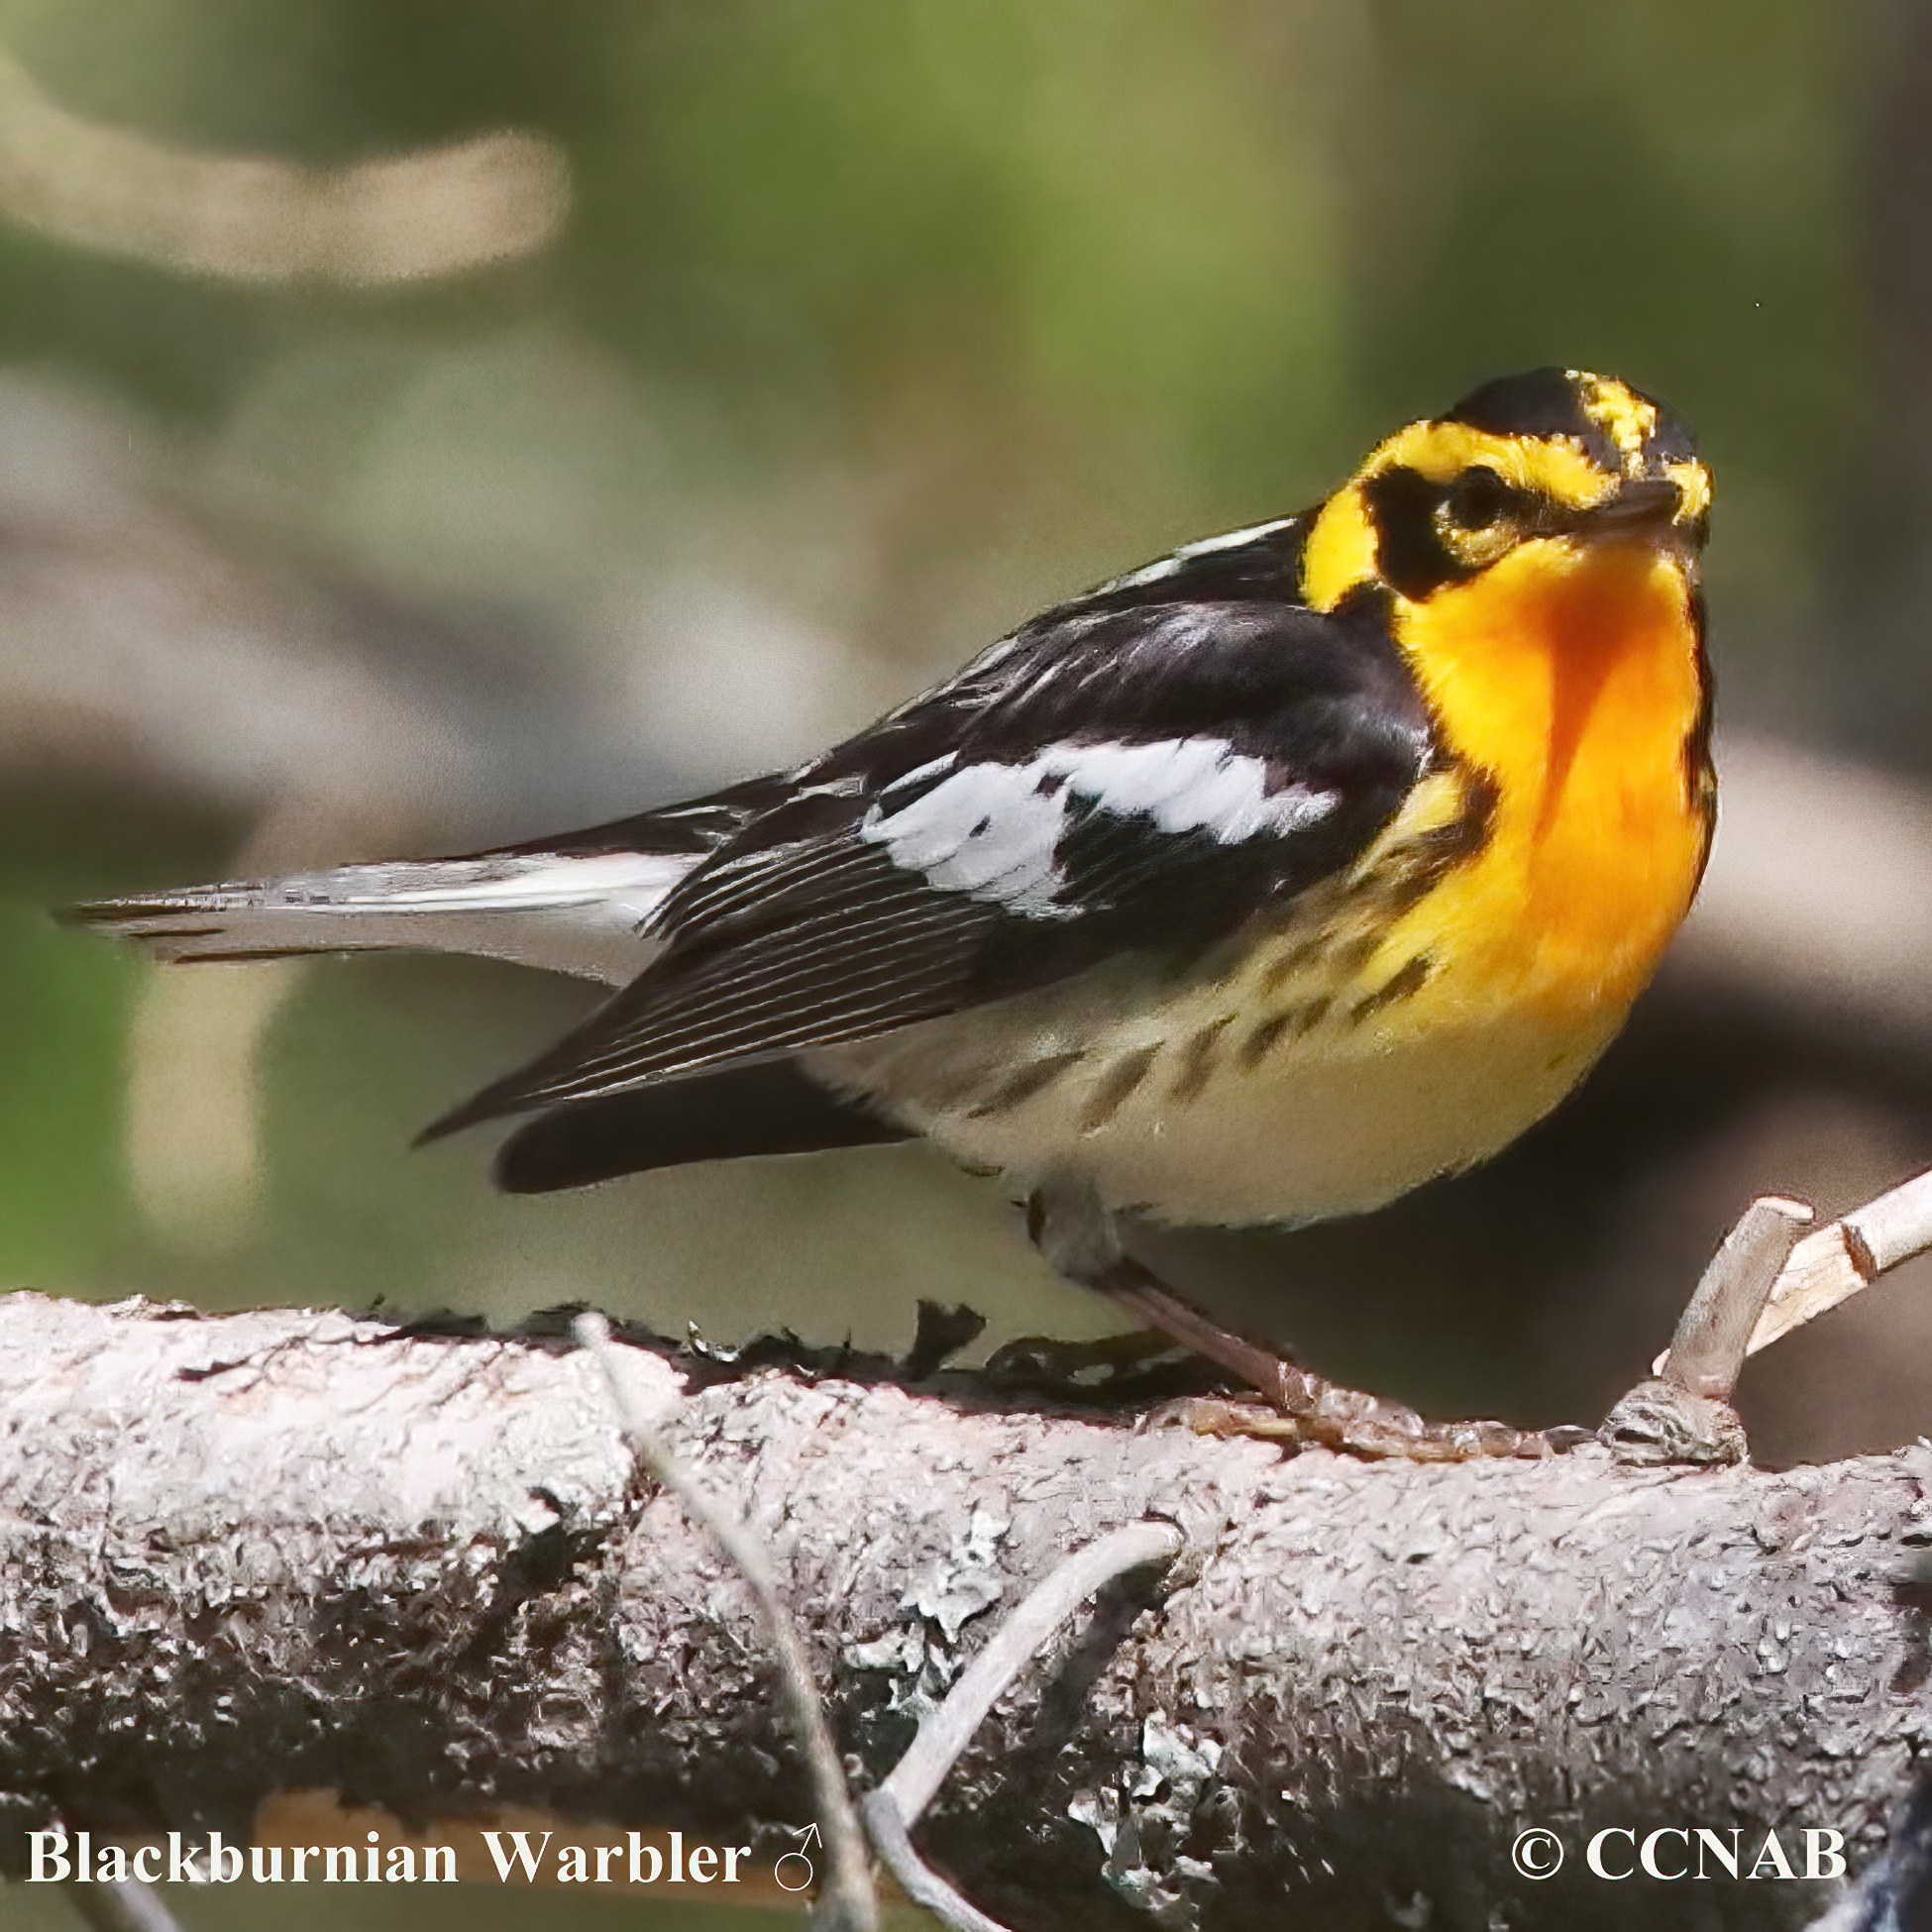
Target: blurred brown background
[427,423]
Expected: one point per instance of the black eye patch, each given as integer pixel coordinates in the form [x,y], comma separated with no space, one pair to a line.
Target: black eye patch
[1477,499]
[1409,548]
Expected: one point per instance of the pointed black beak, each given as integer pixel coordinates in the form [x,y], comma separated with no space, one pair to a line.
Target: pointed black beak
[1648,504]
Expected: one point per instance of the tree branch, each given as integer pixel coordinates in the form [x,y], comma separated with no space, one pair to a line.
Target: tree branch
[293,1551]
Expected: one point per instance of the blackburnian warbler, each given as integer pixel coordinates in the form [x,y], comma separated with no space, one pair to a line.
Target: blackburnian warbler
[1255,886]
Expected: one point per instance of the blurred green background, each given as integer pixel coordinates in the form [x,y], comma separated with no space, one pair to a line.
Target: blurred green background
[794,351]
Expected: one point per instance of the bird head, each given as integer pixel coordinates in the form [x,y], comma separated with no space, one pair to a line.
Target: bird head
[1546,468]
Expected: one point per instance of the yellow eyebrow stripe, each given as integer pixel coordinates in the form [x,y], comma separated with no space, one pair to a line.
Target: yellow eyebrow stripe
[1554,465]
[1341,549]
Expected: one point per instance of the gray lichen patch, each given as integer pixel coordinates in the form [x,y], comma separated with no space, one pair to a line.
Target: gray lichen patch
[921,1653]
[919,1675]
[967,1582]
[1145,1820]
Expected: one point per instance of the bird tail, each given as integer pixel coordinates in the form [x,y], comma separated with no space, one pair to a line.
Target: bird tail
[580,913]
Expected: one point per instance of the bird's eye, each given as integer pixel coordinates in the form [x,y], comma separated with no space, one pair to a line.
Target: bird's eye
[1476,500]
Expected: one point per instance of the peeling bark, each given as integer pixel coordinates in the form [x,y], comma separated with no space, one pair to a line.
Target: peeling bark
[285,1551]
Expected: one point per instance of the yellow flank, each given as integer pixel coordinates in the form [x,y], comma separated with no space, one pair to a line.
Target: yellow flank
[1568,673]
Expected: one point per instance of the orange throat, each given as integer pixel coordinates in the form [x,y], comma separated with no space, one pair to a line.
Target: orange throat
[1573,675]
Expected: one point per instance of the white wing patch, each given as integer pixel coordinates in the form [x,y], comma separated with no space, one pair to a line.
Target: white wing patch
[986,830]
[1156,571]
[994,831]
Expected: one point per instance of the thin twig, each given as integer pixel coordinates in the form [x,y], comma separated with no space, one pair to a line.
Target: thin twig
[914,1876]
[1845,1256]
[891,1810]
[949,1730]
[1708,1349]
[849,1904]
[121,1905]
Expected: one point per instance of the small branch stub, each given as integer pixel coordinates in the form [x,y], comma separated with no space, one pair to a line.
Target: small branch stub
[1708,1349]
[1685,1413]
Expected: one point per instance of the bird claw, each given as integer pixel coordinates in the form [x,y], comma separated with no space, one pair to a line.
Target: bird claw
[1361,1425]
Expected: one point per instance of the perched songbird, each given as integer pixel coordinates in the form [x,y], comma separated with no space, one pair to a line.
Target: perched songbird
[1258,884]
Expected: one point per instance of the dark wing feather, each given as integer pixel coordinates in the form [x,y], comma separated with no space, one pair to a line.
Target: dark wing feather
[697,825]
[1156,770]
[768,1108]
[874,950]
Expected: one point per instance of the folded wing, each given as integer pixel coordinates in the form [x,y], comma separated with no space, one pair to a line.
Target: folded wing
[1113,781]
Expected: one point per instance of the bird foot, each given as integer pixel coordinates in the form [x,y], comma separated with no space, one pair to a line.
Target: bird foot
[1298,1408]
[1363,1425]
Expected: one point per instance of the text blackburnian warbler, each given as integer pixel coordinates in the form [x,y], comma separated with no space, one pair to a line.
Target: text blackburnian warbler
[1258,884]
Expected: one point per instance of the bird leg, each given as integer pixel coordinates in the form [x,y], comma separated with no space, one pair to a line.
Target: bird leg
[1078,1236]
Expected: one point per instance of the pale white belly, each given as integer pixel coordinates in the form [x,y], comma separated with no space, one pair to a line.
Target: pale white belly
[1208,1108]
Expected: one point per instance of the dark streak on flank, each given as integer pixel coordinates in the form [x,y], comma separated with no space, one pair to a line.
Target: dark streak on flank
[1700,780]
[1257,1046]
[1407,981]
[1353,954]
[1031,1078]
[1197,1063]
[1297,960]
[1120,1080]
[1298,1020]
[1427,859]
